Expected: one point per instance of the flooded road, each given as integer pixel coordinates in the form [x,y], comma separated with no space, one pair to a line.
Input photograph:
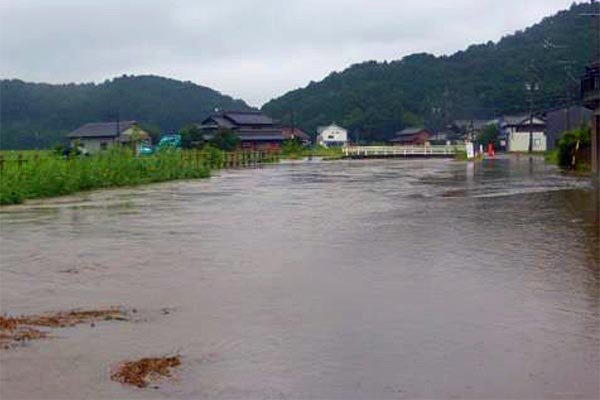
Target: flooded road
[325,280]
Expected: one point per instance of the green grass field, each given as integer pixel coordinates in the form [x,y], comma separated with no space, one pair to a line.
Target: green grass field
[45,174]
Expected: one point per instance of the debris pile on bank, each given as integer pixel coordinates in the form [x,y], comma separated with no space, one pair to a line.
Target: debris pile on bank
[142,372]
[24,328]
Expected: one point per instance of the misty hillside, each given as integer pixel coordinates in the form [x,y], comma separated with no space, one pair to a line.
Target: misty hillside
[375,99]
[38,115]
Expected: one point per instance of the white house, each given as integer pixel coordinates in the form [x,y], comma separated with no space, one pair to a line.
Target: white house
[517,131]
[332,136]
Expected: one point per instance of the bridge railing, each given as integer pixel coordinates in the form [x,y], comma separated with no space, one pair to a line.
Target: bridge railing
[405,151]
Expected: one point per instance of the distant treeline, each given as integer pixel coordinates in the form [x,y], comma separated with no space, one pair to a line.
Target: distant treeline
[373,100]
[37,115]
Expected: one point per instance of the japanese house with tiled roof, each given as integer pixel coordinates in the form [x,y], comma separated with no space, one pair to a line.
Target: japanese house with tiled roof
[97,136]
[412,136]
[255,129]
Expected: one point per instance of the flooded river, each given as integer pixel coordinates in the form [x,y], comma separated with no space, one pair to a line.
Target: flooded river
[323,280]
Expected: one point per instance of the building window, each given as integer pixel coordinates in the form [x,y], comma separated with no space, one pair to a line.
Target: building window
[103,146]
[330,137]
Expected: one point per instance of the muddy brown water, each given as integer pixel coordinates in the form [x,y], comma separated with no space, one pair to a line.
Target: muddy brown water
[325,280]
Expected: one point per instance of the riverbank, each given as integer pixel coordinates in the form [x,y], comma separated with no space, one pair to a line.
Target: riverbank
[35,175]
[297,152]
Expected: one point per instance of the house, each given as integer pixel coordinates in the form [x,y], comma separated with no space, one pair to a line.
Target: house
[560,120]
[445,137]
[411,136]
[468,129]
[255,129]
[517,130]
[332,136]
[590,92]
[297,134]
[98,136]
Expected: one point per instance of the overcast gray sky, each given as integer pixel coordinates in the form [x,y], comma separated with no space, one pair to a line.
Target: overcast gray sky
[249,49]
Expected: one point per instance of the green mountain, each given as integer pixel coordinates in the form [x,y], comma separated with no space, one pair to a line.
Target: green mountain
[374,99]
[37,115]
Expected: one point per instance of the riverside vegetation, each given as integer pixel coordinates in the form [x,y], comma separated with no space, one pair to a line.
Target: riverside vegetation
[45,174]
[294,150]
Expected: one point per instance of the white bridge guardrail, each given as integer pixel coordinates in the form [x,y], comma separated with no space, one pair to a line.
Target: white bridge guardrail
[404,151]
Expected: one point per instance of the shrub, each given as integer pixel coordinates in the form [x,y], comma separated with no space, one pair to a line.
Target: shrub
[573,145]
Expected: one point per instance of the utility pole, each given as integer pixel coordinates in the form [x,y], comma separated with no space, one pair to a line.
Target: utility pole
[531,87]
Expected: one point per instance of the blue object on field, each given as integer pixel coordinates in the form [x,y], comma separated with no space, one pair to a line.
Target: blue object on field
[169,141]
[145,149]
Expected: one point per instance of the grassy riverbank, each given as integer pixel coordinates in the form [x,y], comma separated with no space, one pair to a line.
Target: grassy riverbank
[295,151]
[45,174]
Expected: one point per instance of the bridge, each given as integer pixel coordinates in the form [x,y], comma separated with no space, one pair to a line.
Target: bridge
[402,151]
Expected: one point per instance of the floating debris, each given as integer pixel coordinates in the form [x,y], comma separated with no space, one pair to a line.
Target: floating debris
[142,372]
[21,328]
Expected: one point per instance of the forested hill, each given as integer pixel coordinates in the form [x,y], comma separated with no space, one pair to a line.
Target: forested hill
[38,115]
[375,99]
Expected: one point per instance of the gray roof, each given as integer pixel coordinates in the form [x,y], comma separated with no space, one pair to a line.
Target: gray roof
[254,134]
[515,120]
[217,121]
[101,129]
[410,131]
[274,138]
[236,119]
[248,118]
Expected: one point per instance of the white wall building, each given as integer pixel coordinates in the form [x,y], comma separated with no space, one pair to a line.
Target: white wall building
[332,136]
[98,136]
[518,129]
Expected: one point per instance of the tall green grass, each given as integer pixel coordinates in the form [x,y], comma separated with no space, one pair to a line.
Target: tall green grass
[293,150]
[49,175]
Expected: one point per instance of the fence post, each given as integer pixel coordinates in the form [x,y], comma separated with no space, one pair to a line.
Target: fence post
[1,162]
[20,161]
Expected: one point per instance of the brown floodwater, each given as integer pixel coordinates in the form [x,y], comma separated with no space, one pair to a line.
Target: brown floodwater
[324,280]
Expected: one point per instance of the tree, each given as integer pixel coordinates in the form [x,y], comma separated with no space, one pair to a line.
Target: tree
[481,82]
[292,146]
[489,135]
[191,137]
[225,139]
[39,115]
[573,145]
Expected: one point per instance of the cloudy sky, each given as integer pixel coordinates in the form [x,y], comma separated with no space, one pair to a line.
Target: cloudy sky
[249,49]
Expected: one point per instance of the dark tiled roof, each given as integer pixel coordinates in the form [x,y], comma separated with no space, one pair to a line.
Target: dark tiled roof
[273,138]
[248,118]
[410,131]
[400,139]
[517,120]
[101,129]
[260,134]
[222,122]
